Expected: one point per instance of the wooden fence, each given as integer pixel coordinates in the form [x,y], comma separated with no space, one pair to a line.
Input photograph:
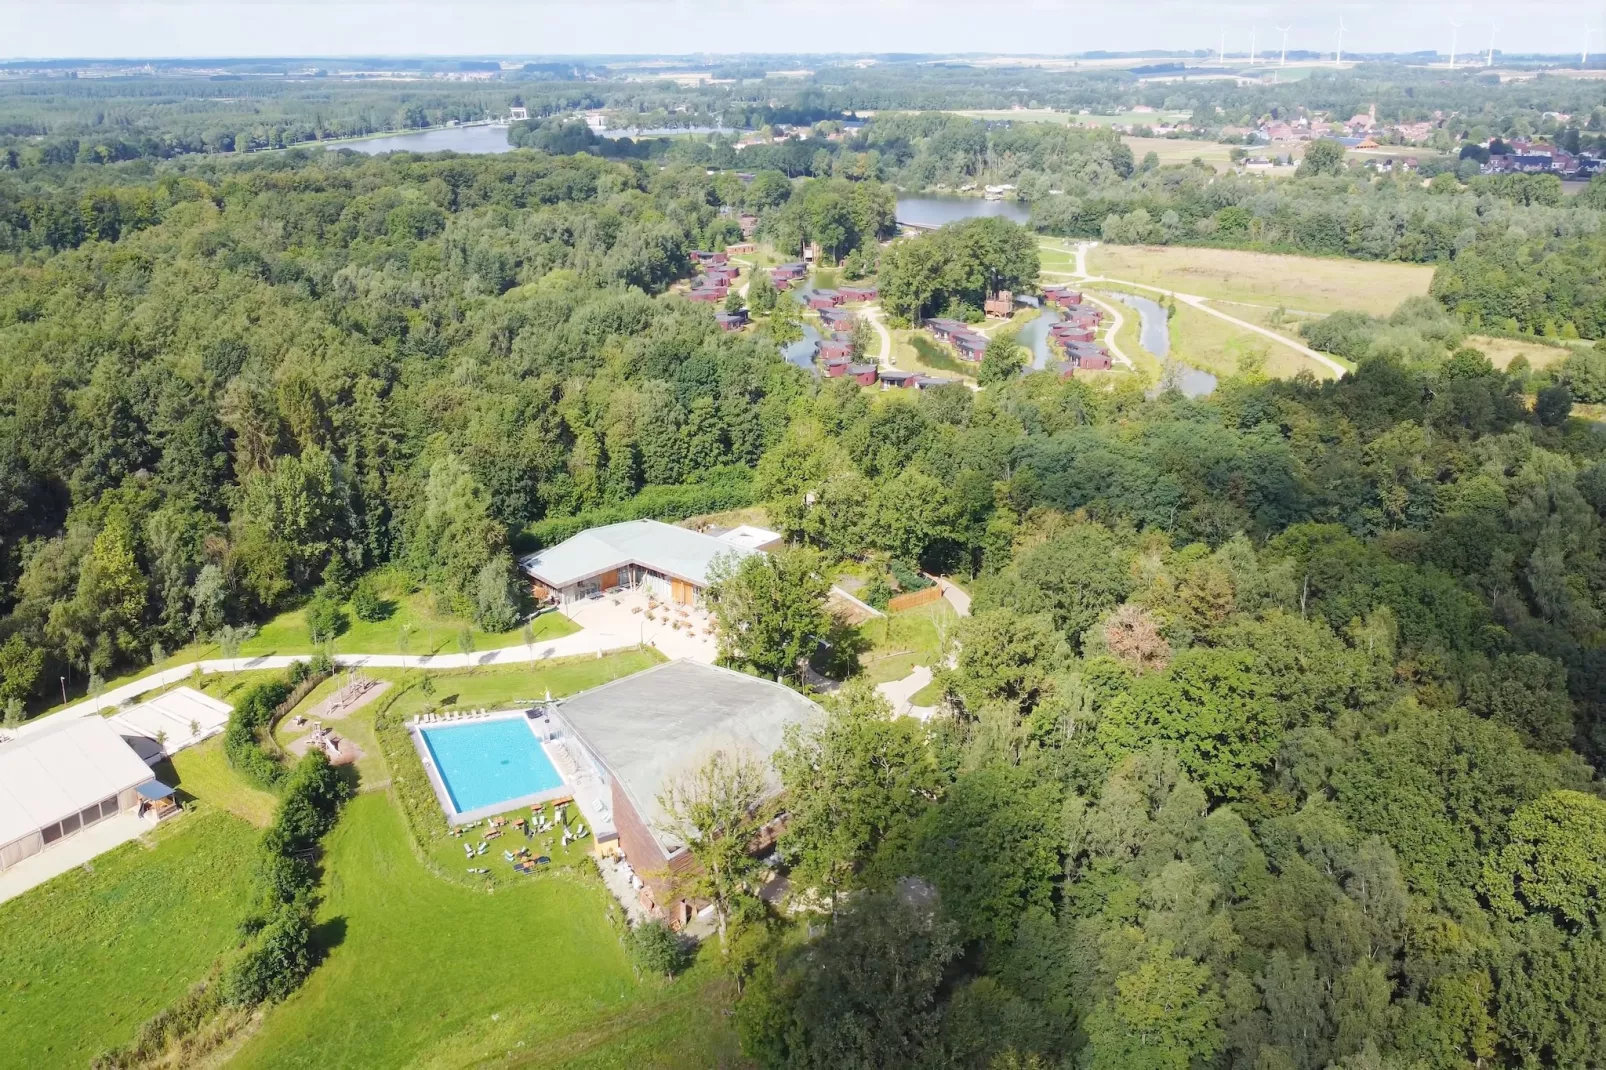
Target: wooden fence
[911,599]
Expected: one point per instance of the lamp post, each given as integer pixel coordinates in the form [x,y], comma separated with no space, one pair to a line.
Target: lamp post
[64,690]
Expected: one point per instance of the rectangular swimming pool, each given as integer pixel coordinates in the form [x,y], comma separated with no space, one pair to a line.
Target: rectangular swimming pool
[483,763]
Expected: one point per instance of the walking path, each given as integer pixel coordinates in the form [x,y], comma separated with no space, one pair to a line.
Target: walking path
[873,314]
[899,692]
[1199,303]
[585,642]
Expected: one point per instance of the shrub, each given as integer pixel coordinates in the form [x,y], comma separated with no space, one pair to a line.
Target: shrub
[878,592]
[275,962]
[655,950]
[240,743]
[366,601]
[325,618]
[907,578]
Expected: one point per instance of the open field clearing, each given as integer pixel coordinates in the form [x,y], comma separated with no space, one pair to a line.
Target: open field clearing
[1203,341]
[1311,284]
[900,641]
[422,971]
[1502,351]
[87,957]
[1172,150]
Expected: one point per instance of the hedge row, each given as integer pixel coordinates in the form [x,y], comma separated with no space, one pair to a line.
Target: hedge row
[727,491]
[277,953]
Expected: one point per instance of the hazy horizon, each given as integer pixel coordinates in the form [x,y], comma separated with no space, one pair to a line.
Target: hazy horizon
[676,27]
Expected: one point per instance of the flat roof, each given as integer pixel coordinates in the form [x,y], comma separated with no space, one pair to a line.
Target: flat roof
[652,544]
[182,717]
[60,770]
[658,723]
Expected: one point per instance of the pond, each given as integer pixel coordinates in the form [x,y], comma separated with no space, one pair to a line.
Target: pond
[933,210]
[1155,336]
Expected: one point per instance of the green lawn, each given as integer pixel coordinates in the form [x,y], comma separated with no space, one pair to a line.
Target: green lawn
[203,771]
[505,685]
[89,956]
[929,695]
[900,641]
[426,632]
[426,972]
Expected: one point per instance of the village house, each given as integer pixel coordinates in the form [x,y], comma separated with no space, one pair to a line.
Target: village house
[836,367]
[824,299]
[706,296]
[731,321]
[836,317]
[865,374]
[858,293]
[834,350]
[894,378]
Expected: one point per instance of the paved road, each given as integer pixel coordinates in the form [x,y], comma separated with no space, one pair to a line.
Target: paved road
[1199,303]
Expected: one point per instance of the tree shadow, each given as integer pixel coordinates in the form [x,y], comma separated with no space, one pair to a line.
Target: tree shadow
[838,654]
[328,935]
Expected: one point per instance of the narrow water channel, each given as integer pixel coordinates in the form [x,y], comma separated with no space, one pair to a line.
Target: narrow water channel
[1154,335]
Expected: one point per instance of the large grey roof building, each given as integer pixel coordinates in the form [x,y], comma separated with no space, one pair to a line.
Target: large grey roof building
[669,561]
[640,732]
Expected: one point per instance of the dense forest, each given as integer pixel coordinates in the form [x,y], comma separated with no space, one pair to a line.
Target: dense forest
[1269,742]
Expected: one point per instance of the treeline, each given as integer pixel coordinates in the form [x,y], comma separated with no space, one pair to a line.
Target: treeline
[301,368]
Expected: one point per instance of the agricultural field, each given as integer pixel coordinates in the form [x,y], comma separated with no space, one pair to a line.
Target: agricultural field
[423,971]
[1175,150]
[1305,283]
[87,957]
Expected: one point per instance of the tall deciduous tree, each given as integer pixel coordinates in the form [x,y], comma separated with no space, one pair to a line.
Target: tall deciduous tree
[770,608]
[713,810]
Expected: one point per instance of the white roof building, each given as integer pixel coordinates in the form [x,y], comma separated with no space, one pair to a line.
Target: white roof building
[61,779]
[171,721]
[671,562]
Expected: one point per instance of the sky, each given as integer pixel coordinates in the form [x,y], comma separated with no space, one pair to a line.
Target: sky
[103,28]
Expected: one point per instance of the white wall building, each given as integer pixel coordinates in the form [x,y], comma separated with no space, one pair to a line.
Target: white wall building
[61,780]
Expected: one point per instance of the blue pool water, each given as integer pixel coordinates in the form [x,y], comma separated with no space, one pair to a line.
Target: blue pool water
[484,763]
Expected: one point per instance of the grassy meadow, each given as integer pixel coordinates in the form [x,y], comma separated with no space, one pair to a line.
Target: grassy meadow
[1311,284]
[423,971]
[87,957]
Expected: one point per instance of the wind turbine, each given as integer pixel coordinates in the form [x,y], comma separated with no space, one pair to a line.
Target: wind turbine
[1285,30]
[1338,57]
[1222,58]
[1584,62]
[1490,62]
[1455,31]
[1254,35]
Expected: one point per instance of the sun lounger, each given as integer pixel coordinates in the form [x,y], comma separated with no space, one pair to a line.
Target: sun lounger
[483,847]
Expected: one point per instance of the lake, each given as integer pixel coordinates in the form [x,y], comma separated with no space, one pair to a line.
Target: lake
[475,139]
[933,210]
